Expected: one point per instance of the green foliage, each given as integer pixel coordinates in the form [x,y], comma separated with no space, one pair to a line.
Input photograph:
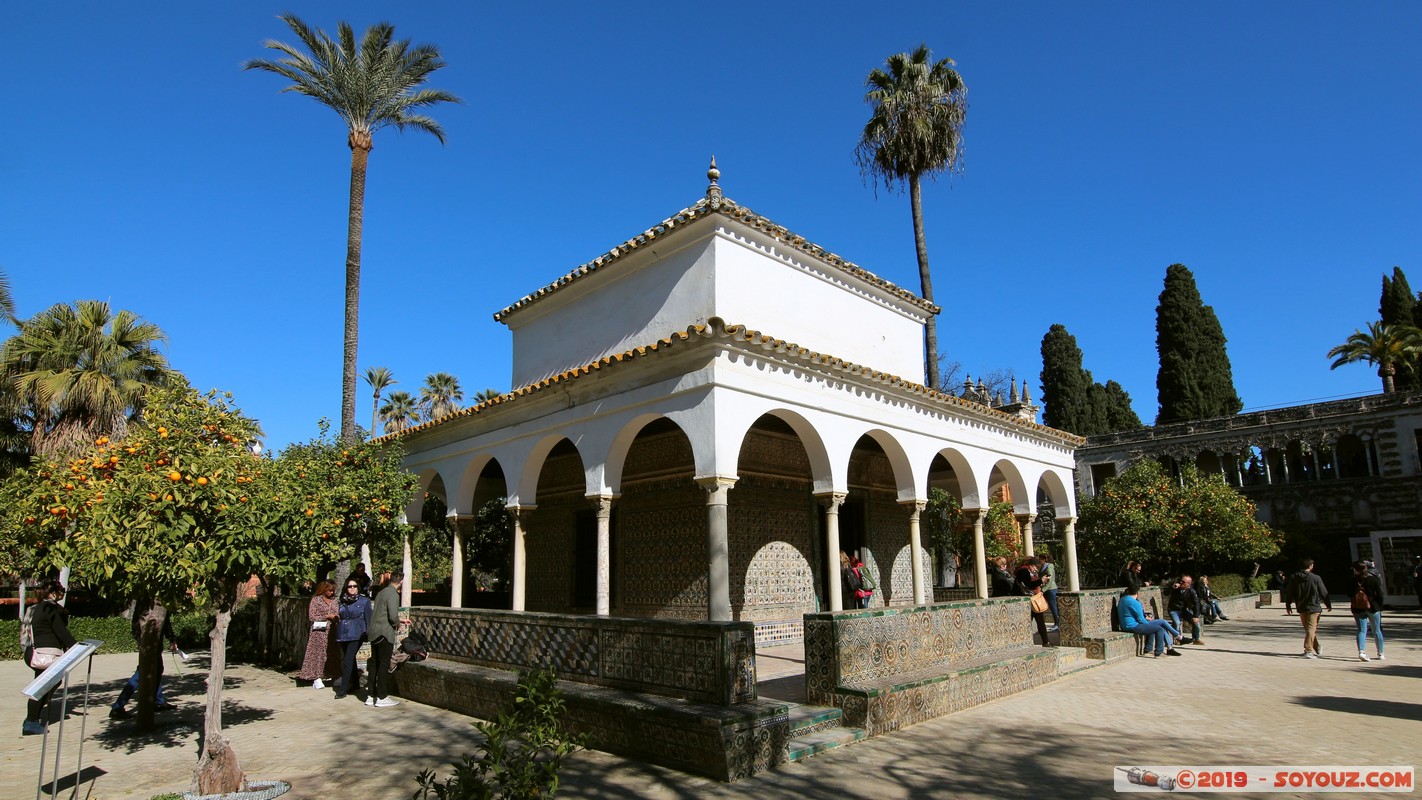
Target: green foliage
[1001,534]
[522,751]
[1257,584]
[1071,400]
[1197,522]
[490,544]
[942,531]
[114,632]
[1227,585]
[1391,348]
[1195,380]
[1397,305]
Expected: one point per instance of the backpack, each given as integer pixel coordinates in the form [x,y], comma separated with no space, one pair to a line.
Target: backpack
[866,579]
[1361,602]
[415,646]
[27,629]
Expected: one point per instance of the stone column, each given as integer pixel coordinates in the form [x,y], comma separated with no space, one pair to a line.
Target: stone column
[833,586]
[1024,522]
[1264,459]
[1069,540]
[456,575]
[915,548]
[718,561]
[603,503]
[1284,463]
[980,578]
[520,558]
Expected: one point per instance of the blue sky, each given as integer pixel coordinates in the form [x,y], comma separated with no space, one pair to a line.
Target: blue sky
[1273,147]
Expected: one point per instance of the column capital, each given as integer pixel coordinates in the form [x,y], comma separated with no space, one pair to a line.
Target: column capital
[603,503]
[974,513]
[1066,520]
[1026,518]
[915,506]
[712,483]
[832,500]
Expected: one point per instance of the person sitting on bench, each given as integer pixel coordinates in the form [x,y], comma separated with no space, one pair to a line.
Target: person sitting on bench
[1160,635]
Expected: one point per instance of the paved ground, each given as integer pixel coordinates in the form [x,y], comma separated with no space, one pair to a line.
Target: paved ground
[1245,698]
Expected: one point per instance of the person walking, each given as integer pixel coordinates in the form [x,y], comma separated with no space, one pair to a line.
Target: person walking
[119,708]
[322,613]
[355,613]
[1308,594]
[384,631]
[48,637]
[1366,604]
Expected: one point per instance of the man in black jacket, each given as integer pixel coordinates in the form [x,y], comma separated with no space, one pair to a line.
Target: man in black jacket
[1185,606]
[1306,591]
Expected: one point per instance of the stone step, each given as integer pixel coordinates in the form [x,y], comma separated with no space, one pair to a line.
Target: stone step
[802,747]
[809,719]
[1073,659]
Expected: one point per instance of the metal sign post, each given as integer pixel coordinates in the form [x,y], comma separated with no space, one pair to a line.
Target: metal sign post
[45,683]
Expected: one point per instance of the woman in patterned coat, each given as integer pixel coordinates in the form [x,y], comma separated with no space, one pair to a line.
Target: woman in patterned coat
[323,613]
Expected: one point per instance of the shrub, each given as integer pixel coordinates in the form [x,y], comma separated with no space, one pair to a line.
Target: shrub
[1259,583]
[521,753]
[113,631]
[1227,585]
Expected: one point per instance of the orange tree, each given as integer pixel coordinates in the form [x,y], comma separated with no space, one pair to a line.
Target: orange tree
[181,512]
[1195,521]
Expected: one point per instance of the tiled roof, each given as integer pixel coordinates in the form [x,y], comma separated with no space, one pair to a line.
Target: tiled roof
[718,328]
[706,206]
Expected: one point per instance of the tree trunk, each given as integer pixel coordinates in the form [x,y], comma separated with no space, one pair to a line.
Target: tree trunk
[925,279]
[150,615]
[217,771]
[1386,373]
[374,414]
[360,153]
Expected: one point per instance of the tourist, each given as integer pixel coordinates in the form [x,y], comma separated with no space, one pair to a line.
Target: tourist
[119,708]
[1160,635]
[1185,605]
[322,612]
[354,621]
[48,637]
[849,582]
[1281,581]
[1417,578]
[1003,584]
[362,579]
[1029,582]
[1367,606]
[1306,591]
[1209,601]
[1049,587]
[865,593]
[384,631]
[1131,576]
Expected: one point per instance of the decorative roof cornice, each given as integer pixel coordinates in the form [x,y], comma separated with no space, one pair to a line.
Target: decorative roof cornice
[715,203]
[740,335]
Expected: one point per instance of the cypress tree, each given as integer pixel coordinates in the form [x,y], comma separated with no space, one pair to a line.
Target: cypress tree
[1397,305]
[1195,380]
[1120,416]
[1065,402]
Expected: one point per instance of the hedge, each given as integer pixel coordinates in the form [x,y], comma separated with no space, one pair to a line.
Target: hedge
[116,632]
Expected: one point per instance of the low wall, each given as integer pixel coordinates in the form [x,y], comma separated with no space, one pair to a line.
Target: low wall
[703,662]
[887,669]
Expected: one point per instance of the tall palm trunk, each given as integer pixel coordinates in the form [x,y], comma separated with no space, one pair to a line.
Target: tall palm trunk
[925,279]
[1386,373]
[375,413]
[360,154]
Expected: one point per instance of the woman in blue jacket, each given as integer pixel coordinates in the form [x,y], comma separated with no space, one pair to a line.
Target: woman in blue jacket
[351,626]
[1133,620]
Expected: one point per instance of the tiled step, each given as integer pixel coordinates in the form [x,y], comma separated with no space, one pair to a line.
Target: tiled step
[815,729]
[1073,659]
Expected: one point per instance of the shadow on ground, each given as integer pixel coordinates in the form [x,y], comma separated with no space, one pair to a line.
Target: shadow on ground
[1366,706]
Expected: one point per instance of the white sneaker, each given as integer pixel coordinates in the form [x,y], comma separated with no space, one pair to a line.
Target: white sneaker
[1310,654]
[1363,656]
[386,702]
[1381,657]
[317,684]
[370,700]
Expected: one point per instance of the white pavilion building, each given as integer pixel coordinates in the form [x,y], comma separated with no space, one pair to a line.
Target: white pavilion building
[705,416]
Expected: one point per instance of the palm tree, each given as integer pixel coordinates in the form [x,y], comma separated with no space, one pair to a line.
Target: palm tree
[485,395]
[82,371]
[7,301]
[371,84]
[440,395]
[400,411]
[379,379]
[916,129]
[1384,345]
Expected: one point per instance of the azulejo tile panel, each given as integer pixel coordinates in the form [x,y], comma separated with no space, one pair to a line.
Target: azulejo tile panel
[702,661]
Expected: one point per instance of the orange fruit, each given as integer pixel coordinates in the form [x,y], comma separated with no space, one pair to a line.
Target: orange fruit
[175,476]
[201,481]
[168,498]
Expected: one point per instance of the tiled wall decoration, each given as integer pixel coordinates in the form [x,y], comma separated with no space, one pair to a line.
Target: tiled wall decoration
[702,661]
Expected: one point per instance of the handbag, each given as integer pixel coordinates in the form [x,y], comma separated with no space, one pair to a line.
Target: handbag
[1039,603]
[43,657]
[320,625]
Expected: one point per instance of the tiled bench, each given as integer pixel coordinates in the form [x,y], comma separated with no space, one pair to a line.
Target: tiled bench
[890,668]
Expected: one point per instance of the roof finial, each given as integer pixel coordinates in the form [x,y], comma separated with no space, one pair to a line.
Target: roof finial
[713,191]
